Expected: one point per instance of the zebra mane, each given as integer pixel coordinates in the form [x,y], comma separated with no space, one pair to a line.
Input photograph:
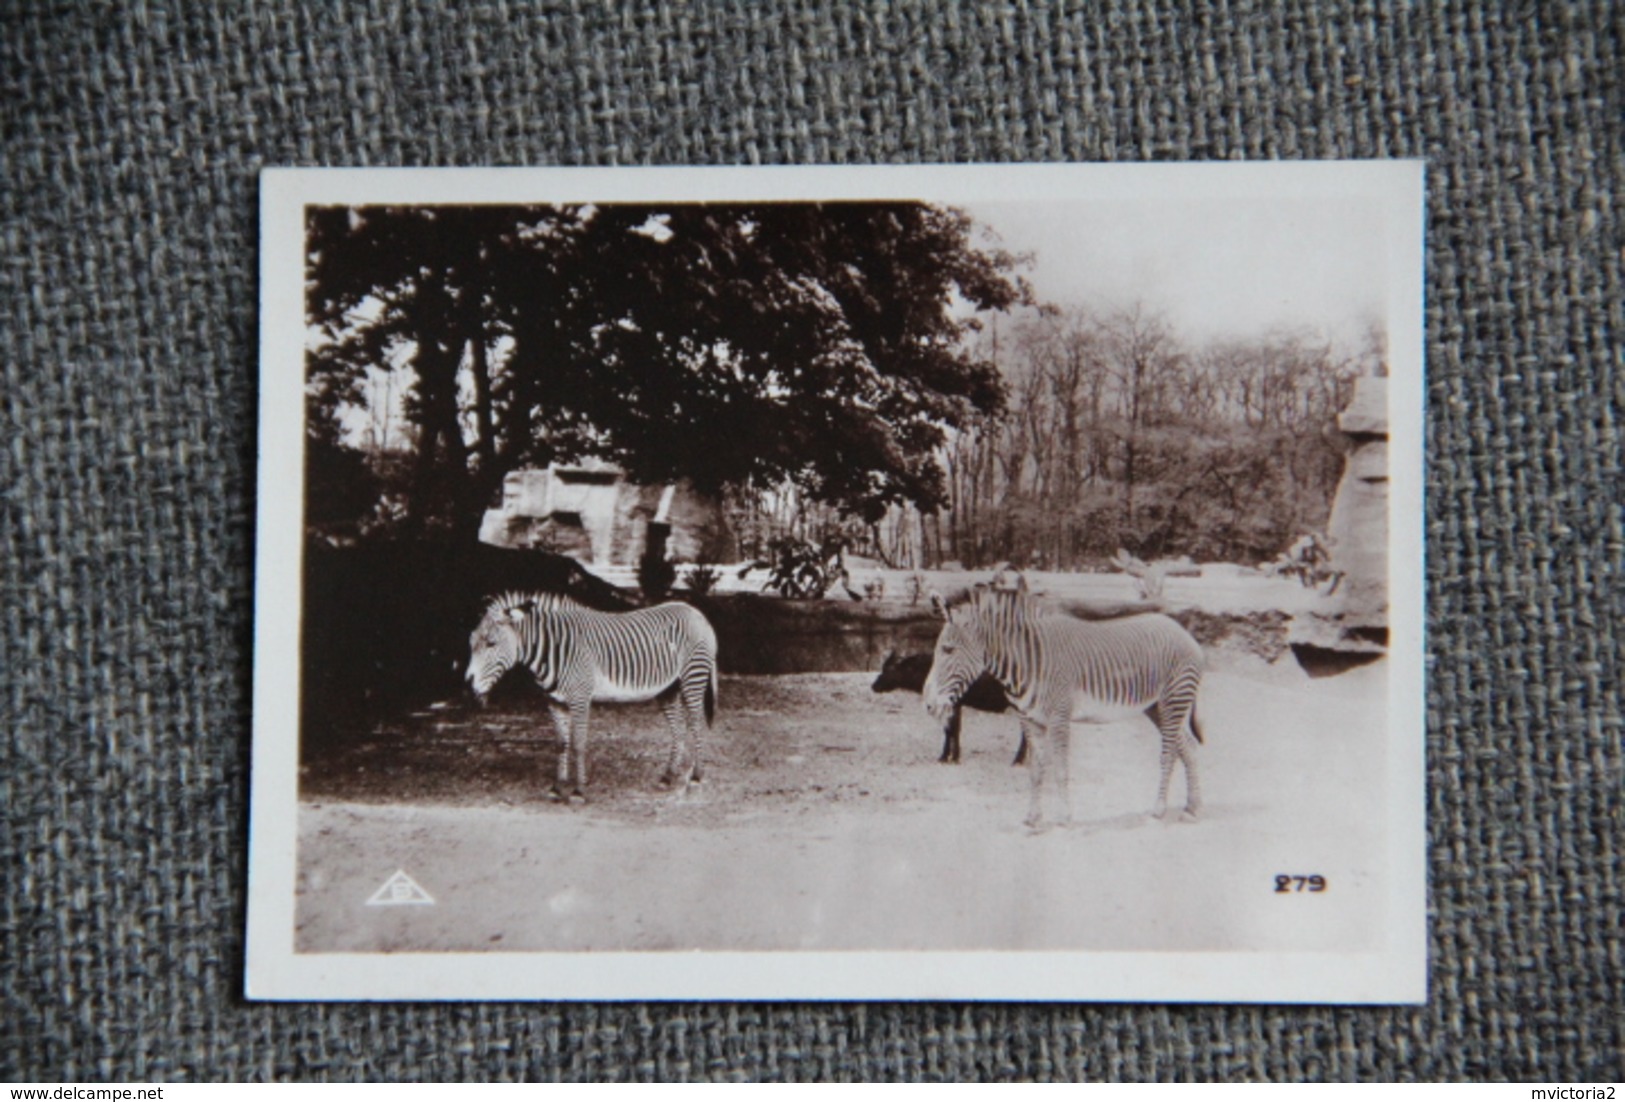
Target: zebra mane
[985,598]
[1005,579]
[987,594]
[1000,587]
[507,602]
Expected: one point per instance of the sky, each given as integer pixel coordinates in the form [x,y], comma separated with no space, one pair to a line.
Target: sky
[1217,269]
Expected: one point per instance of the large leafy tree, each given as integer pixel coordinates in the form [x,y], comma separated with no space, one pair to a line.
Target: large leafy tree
[819,343]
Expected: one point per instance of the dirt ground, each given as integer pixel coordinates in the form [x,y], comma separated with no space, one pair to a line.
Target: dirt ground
[825,822]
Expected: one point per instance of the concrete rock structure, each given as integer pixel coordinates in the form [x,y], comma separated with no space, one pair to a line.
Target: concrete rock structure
[1358,526]
[1354,626]
[591,512]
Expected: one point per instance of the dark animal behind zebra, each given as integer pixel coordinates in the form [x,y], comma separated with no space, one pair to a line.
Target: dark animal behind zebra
[985,695]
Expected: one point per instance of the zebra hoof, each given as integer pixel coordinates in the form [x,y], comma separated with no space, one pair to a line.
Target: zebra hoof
[1187,816]
[555,795]
[577,798]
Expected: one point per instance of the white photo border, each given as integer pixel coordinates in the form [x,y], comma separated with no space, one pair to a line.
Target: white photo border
[1394,974]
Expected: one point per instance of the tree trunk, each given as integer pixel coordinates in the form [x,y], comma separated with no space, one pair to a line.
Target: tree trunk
[480,369]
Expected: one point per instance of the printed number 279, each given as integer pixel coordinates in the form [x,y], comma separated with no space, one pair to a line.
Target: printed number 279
[1285,883]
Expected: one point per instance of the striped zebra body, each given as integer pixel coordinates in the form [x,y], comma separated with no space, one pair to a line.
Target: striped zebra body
[1115,668]
[1057,669]
[580,656]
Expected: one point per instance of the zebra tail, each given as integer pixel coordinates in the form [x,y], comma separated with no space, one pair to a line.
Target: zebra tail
[1196,728]
[711,697]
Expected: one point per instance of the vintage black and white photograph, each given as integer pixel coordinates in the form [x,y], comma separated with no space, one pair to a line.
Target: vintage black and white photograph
[996,581]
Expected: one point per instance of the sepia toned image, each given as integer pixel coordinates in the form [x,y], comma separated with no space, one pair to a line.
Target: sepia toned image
[955,582]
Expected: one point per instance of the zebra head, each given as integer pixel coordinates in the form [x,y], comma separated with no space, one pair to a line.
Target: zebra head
[498,643]
[960,658]
[507,636]
[494,649]
[982,632]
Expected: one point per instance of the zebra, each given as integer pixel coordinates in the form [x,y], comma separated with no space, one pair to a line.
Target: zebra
[1053,666]
[579,656]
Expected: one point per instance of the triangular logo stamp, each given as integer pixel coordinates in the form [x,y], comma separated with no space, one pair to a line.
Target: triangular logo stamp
[400,890]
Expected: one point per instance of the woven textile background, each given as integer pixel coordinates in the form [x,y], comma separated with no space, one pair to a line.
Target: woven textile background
[133,136]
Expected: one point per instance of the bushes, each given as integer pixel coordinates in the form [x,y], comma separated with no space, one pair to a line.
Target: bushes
[701,580]
[801,569]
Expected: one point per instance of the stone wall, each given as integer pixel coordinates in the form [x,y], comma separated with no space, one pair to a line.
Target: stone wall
[772,635]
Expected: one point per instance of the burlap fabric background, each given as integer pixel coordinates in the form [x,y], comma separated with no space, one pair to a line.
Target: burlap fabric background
[133,136]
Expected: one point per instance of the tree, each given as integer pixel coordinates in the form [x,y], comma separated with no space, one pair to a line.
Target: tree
[1143,356]
[435,288]
[1119,434]
[819,344]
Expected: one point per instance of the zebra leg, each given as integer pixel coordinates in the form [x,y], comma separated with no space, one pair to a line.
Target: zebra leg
[578,750]
[950,738]
[1193,787]
[694,716]
[672,706]
[561,727]
[1170,723]
[1037,750]
[1060,732]
[1160,811]
[1187,754]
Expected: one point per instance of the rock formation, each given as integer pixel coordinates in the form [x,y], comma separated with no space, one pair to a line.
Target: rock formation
[1358,526]
[1354,628]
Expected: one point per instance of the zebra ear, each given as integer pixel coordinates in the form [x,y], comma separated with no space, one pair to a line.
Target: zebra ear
[517,612]
[938,605]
